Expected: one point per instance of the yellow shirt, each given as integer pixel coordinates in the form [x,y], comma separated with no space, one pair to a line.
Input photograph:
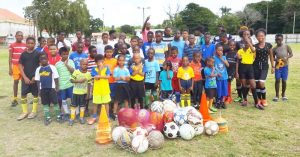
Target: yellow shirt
[137,77]
[185,74]
[81,88]
[247,56]
[101,86]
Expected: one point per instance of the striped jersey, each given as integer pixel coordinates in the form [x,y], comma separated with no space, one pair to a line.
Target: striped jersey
[16,49]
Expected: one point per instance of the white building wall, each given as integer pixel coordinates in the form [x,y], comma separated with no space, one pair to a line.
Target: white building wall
[7,28]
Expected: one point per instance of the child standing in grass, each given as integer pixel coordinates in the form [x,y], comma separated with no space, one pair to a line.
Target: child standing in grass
[198,82]
[165,80]
[176,63]
[122,77]
[101,90]
[210,83]
[186,81]
[47,77]
[28,63]
[282,53]
[151,77]
[221,65]
[81,79]
[65,67]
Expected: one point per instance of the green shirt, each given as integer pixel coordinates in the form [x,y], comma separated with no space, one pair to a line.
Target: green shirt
[81,88]
[64,74]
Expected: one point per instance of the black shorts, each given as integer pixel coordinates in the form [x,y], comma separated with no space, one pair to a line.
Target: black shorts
[48,96]
[231,74]
[79,100]
[137,89]
[246,71]
[122,92]
[210,92]
[150,86]
[260,74]
[29,88]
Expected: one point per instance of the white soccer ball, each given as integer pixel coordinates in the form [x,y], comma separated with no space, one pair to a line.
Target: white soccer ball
[169,106]
[156,139]
[211,128]
[180,116]
[171,130]
[140,144]
[199,129]
[117,132]
[194,117]
[157,106]
[186,131]
[140,131]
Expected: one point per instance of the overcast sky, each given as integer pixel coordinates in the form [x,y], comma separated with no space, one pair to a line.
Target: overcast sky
[120,12]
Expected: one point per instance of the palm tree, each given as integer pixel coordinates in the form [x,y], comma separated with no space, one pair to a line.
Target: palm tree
[225,10]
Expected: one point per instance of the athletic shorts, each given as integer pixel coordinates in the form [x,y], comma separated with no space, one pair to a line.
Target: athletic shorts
[48,96]
[282,73]
[101,99]
[186,84]
[29,88]
[260,74]
[210,92]
[16,74]
[150,86]
[123,92]
[137,89]
[112,87]
[231,74]
[222,88]
[79,100]
[66,93]
[246,71]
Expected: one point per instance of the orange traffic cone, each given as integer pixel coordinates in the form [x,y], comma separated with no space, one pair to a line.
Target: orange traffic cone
[204,109]
[103,133]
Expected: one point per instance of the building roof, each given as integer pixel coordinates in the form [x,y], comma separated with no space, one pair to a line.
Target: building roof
[8,16]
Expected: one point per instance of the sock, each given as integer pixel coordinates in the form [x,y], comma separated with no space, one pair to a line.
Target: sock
[188,99]
[147,97]
[46,111]
[24,105]
[177,95]
[81,112]
[254,95]
[73,110]
[263,93]
[258,92]
[229,89]
[65,107]
[56,109]
[182,96]
[35,104]
[245,92]
[239,91]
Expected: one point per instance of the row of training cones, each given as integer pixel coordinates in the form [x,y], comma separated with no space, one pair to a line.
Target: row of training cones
[103,133]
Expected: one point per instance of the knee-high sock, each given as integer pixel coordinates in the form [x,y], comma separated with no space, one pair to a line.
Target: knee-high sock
[24,105]
[46,111]
[263,93]
[258,92]
[182,96]
[72,115]
[35,104]
[188,99]
[81,112]
[56,109]
[65,107]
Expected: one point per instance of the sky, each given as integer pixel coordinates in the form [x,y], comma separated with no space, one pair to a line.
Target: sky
[120,12]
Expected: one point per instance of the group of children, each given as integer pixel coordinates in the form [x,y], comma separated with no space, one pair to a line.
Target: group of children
[136,76]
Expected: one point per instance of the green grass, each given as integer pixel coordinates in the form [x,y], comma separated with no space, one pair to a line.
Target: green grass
[273,132]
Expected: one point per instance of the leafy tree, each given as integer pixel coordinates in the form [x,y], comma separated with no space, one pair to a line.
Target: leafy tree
[127,29]
[249,16]
[95,26]
[231,22]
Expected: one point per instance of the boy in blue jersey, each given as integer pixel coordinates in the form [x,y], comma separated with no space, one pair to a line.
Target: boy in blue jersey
[78,55]
[177,42]
[147,44]
[208,49]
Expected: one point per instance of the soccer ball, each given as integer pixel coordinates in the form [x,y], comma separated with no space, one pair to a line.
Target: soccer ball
[140,144]
[140,131]
[157,106]
[169,106]
[143,117]
[199,129]
[194,117]
[186,131]
[180,116]
[125,139]
[117,132]
[156,139]
[211,128]
[171,130]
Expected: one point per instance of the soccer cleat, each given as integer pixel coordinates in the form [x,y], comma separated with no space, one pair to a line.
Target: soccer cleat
[213,109]
[244,103]
[47,121]
[264,102]
[285,98]
[223,105]
[218,105]
[32,115]
[14,103]
[275,99]
[59,119]
[238,99]
[22,116]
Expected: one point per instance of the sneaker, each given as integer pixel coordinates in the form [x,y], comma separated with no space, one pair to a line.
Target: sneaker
[218,105]
[32,115]
[82,120]
[14,103]
[47,121]
[71,122]
[285,98]
[229,99]
[264,103]
[244,103]
[259,106]
[238,99]
[59,119]
[66,117]
[275,99]
[91,121]
[213,109]
[223,105]
[22,116]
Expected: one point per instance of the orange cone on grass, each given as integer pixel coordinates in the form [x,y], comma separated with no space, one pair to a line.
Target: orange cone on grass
[103,133]
[204,109]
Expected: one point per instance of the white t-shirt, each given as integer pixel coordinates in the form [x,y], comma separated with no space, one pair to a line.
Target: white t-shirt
[112,42]
[100,48]
[67,42]
[131,53]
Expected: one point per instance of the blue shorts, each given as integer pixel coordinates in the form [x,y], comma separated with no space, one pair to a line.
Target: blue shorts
[186,84]
[66,93]
[112,87]
[282,73]
[222,88]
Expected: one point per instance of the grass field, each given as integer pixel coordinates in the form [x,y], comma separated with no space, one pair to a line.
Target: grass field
[273,132]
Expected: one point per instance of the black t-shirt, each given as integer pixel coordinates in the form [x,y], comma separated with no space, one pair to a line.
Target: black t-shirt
[262,56]
[232,59]
[30,62]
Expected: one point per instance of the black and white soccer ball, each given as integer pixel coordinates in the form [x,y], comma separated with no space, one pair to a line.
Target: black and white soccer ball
[171,130]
